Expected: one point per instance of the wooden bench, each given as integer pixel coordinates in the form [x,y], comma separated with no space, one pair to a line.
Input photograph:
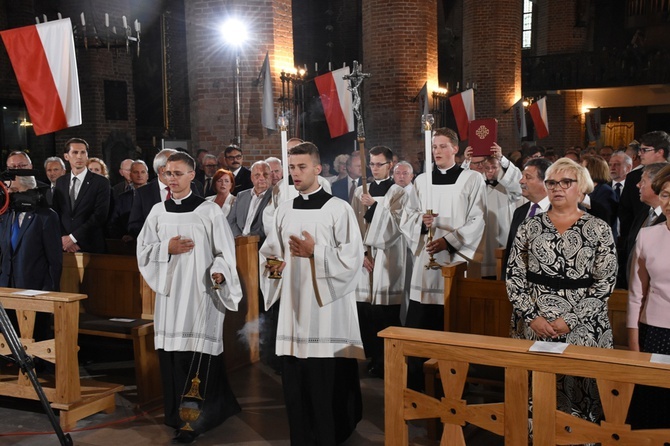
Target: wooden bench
[616,372]
[75,398]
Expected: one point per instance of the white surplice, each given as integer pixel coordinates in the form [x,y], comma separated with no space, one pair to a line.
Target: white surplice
[317,306]
[387,245]
[189,313]
[460,208]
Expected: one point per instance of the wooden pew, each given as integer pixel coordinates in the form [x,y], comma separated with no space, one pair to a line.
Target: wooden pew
[75,398]
[615,371]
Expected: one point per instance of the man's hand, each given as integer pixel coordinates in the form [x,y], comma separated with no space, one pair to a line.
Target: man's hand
[428,219]
[368,263]
[543,328]
[367,200]
[217,277]
[179,245]
[468,153]
[437,245]
[301,247]
[68,244]
[496,151]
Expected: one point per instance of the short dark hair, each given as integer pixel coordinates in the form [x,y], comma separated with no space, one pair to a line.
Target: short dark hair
[306,148]
[658,139]
[231,148]
[382,150]
[74,141]
[449,133]
[540,164]
[184,157]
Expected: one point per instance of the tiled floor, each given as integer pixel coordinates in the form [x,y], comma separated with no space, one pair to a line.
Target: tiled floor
[262,421]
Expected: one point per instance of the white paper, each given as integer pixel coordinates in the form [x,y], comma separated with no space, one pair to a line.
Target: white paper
[548,347]
[121,319]
[30,293]
[660,359]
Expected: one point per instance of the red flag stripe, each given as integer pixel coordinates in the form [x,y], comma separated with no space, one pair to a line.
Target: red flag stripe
[31,66]
[460,115]
[539,118]
[337,122]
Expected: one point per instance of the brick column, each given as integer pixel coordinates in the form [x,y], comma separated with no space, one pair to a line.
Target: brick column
[492,59]
[211,77]
[400,52]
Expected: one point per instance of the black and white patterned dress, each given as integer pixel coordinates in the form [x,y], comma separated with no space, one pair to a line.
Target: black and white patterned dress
[584,252]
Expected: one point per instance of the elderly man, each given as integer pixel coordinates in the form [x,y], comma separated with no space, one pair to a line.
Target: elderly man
[117,226]
[345,187]
[54,168]
[246,215]
[125,184]
[209,166]
[620,165]
[276,173]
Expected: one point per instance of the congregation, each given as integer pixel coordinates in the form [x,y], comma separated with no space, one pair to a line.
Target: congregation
[352,251]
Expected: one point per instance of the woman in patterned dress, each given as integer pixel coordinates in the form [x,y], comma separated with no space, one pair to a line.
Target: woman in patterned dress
[561,270]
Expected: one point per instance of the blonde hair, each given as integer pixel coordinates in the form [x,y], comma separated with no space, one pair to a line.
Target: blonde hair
[584,181]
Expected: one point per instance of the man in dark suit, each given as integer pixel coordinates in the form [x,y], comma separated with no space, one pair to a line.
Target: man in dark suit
[126,184]
[344,187]
[19,159]
[233,157]
[210,166]
[654,148]
[246,215]
[81,199]
[532,188]
[55,168]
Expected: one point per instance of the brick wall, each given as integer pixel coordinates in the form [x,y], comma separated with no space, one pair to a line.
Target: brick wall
[492,59]
[566,123]
[400,52]
[211,72]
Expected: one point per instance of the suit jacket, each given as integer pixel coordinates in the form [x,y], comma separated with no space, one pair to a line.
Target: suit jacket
[518,218]
[117,224]
[208,191]
[242,181]
[629,203]
[145,198]
[119,188]
[604,205]
[37,261]
[341,188]
[238,214]
[86,220]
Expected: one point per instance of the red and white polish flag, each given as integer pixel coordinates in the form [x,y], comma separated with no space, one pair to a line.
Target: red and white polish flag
[463,106]
[336,101]
[538,112]
[44,60]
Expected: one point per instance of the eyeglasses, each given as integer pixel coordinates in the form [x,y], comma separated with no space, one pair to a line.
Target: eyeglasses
[648,149]
[233,157]
[209,165]
[177,174]
[18,166]
[565,183]
[374,165]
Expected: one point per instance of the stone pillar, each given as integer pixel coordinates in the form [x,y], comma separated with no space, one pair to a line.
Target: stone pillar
[211,71]
[400,52]
[492,59]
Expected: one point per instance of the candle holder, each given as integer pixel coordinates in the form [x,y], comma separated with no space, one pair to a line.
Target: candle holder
[427,122]
[275,262]
[432,263]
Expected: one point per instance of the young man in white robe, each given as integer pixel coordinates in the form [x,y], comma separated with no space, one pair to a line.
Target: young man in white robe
[503,196]
[382,286]
[318,335]
[186,253]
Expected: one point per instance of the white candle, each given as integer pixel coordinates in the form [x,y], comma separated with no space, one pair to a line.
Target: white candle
[37,20]
[114,29]
[83,19]
[60,16]
[330,67]
[316,67]
[428,172]
[44,16]
[284,163]
[106,20]
[125,22]
[138,27]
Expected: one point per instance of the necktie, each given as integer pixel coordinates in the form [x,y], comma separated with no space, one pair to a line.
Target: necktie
[15,232]
[617,190]
[208,183]
[651,218]
[533,209]
[169,195]
[352,189]
[73,191]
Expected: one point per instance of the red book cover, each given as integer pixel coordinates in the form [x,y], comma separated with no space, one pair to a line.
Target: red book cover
[481,136]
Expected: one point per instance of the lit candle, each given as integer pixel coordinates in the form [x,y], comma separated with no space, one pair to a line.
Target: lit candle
[125,22]
[83,19]
[330,67]
[106,20]
[282,122]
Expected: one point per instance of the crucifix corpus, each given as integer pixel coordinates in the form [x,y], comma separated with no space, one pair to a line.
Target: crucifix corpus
[355,80]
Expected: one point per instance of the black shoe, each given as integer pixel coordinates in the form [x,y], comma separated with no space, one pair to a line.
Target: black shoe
[376,371]
[184,437]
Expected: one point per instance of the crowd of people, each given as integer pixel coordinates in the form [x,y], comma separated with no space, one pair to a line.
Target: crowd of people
[357,252]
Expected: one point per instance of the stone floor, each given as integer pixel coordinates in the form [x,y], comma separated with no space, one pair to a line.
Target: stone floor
[262,421]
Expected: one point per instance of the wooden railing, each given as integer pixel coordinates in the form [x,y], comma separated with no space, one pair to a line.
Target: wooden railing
[615,371]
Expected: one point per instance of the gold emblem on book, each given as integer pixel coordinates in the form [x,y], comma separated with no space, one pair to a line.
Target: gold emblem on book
[482,132]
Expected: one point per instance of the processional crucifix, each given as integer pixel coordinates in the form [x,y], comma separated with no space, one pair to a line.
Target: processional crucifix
[355,80]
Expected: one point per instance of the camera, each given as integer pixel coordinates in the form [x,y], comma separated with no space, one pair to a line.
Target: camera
[22,201]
